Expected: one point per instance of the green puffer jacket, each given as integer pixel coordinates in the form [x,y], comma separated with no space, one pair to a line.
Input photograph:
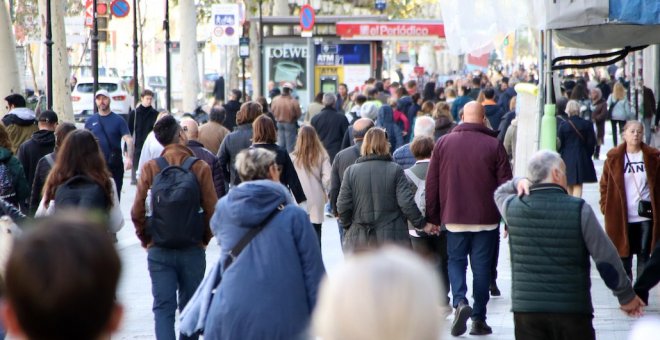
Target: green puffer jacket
[375,202]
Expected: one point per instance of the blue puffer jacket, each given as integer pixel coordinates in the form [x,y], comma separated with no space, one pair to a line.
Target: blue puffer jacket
[270,290]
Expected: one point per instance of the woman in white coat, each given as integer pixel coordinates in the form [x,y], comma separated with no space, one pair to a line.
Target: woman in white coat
[312,164]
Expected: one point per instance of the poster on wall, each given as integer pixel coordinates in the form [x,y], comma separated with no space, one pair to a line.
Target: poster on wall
[355,75]
[288,64]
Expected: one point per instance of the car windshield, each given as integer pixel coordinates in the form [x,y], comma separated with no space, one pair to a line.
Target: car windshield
[156,81]
[89,87]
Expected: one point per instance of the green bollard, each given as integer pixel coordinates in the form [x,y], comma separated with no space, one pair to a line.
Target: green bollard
[549,128]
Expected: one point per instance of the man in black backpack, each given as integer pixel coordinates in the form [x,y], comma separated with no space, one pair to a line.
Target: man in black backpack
[173,206]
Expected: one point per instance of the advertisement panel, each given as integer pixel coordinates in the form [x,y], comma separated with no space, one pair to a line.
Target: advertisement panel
[287,63]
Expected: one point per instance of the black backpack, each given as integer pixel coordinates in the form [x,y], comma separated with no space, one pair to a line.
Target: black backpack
[81,191]
[176,220]
[7,188]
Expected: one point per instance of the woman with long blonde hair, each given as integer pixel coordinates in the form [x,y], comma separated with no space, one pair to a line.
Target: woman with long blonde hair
[312,164]
[619,110]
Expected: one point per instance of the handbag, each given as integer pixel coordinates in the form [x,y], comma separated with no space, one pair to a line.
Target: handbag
[644,207]
[193,316]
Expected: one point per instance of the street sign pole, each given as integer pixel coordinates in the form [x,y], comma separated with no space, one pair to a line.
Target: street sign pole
[95,52]
[168,70]
[244,53]
[49,57]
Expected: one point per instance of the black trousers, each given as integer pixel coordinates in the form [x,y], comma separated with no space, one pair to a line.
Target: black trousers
[615,133]
[117,171]
[553,326]
[639,238]
[434,249]
[496,258]
[650,275]
[317,228]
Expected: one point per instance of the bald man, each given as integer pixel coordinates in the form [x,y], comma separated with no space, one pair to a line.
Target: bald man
[466,167]
[343,160]
[191,130]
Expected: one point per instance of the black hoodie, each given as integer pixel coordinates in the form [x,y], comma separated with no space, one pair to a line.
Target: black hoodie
[29,153]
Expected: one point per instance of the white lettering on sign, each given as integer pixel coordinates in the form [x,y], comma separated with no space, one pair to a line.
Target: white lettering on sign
[288,52]
[398,30]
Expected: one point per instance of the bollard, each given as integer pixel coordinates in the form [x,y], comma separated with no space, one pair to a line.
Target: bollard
[549,128]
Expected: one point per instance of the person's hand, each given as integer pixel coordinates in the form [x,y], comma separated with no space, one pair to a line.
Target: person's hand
[505,234]
[404,133]
[128,164]
[431,229]
[634,308]
[523,187]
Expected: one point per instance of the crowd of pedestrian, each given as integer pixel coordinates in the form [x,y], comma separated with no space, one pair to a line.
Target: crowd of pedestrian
[425,167]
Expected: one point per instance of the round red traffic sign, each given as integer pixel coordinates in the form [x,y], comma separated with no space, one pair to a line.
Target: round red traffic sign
[307,17]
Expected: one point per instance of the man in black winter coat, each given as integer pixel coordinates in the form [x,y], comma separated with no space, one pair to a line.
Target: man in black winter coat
[330,125]
[231,108]
[40,144]
[191,130]
[140,123]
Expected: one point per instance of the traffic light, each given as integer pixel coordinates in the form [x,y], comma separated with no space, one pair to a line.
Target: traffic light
[102,20]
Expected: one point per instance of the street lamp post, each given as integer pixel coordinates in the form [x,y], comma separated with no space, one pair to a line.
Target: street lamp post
[135,58]
[168,43]
[49,57]
[261,50]
[95,52]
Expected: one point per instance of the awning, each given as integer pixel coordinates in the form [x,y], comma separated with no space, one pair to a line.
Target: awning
[390,30]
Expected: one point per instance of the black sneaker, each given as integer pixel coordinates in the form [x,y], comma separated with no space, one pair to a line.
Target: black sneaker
[480,327]
[461,315]
[494,291]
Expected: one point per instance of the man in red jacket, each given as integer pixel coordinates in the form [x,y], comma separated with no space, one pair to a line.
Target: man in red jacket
[466,167]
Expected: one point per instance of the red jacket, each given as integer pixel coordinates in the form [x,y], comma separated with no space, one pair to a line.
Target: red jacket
[401,117]
[467,166]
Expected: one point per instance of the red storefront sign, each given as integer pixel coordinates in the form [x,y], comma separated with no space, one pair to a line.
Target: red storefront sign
[389,30]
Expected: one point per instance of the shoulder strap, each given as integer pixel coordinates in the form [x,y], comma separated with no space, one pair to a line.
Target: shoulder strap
[50,160]
[576,130]
[238,248]
[162,163]
[107,139]
[413,177]
[639,193]
[188,163]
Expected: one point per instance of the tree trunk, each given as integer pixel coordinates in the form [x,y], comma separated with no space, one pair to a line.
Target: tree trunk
[61,73]
[8,63]
[190,76]
[255,55]
[281,8]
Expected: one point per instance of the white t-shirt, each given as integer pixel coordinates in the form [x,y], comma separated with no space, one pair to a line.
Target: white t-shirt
[634,175]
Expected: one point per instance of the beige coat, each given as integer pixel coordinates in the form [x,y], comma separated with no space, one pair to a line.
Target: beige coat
[316,185]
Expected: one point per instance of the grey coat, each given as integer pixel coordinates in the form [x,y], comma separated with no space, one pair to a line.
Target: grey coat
[374,209]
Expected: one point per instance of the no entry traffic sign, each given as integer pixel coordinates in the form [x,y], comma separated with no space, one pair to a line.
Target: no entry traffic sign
[119,8]
[307,17]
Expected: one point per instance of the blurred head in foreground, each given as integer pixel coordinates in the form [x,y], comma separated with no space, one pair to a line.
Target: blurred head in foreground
[61,280]
[389,293]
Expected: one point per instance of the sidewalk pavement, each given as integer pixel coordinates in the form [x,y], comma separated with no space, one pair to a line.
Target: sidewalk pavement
[135,286]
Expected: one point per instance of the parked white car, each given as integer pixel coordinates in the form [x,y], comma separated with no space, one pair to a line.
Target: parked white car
[82,97]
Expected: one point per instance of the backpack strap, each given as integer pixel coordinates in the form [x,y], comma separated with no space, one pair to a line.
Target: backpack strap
[188,163]
[413,177]
[162,163]
[50,160]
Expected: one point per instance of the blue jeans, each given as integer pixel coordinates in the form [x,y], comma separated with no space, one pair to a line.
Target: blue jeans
[286,135]
[172,270]
[480,246]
